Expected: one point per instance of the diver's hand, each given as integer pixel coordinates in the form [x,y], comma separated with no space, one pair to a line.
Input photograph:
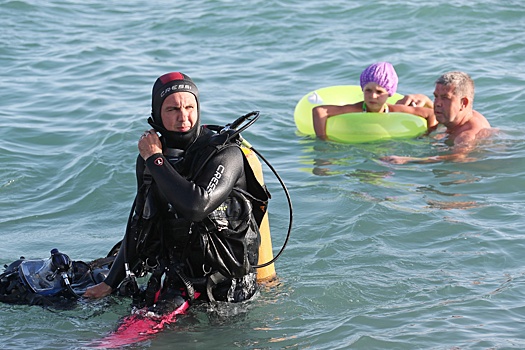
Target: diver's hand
[149,144]
[98,291]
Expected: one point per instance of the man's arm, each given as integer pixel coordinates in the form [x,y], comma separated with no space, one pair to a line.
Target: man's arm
[455,157]
[423,112]
[193,200]
[459,153]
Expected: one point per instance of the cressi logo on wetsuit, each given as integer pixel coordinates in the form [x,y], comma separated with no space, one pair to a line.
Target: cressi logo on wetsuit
[215,179]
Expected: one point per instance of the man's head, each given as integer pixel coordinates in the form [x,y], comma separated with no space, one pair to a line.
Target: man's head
[175,109]
[453,98]
[462,82]
[383,74]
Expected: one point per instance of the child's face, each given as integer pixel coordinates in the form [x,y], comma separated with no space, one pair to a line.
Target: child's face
[375,97]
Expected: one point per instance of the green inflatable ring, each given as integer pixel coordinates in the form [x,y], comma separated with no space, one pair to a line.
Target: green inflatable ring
[356,127]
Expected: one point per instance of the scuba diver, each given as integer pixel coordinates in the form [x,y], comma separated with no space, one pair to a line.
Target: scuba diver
[194,224]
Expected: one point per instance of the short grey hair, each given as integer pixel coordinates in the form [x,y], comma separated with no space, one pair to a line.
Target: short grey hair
[463,83]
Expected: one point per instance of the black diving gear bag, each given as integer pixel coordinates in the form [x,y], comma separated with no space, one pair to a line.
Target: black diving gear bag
[49,281]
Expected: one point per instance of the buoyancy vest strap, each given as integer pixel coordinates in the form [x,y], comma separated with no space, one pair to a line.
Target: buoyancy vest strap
[250,196]
[214,150]
[154,284]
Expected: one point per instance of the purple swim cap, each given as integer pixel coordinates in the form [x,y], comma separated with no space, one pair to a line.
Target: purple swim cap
[383,74]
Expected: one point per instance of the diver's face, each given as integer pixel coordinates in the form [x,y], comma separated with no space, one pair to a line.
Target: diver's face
[179,111]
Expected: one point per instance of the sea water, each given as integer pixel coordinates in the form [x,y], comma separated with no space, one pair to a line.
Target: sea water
[418,256]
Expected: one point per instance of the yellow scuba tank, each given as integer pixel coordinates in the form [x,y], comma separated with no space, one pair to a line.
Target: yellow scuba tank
[267,273]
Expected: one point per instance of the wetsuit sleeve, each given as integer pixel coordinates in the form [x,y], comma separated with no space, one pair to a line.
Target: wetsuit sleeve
[194,200]
[117,273]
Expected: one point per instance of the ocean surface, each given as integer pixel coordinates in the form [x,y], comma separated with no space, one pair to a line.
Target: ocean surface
[417,256]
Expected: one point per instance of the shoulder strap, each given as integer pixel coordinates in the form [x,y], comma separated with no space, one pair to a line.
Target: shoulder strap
[203,149]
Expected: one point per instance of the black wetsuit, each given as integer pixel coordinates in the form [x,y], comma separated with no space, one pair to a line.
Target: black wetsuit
[181,215]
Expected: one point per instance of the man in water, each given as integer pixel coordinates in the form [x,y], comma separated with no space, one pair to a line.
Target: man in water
[194,227]
[453,100]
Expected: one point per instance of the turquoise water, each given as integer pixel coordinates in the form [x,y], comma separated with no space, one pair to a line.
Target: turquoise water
[421,256]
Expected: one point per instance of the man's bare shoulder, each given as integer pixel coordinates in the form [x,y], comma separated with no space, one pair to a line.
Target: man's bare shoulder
[477,128]
[480,121]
